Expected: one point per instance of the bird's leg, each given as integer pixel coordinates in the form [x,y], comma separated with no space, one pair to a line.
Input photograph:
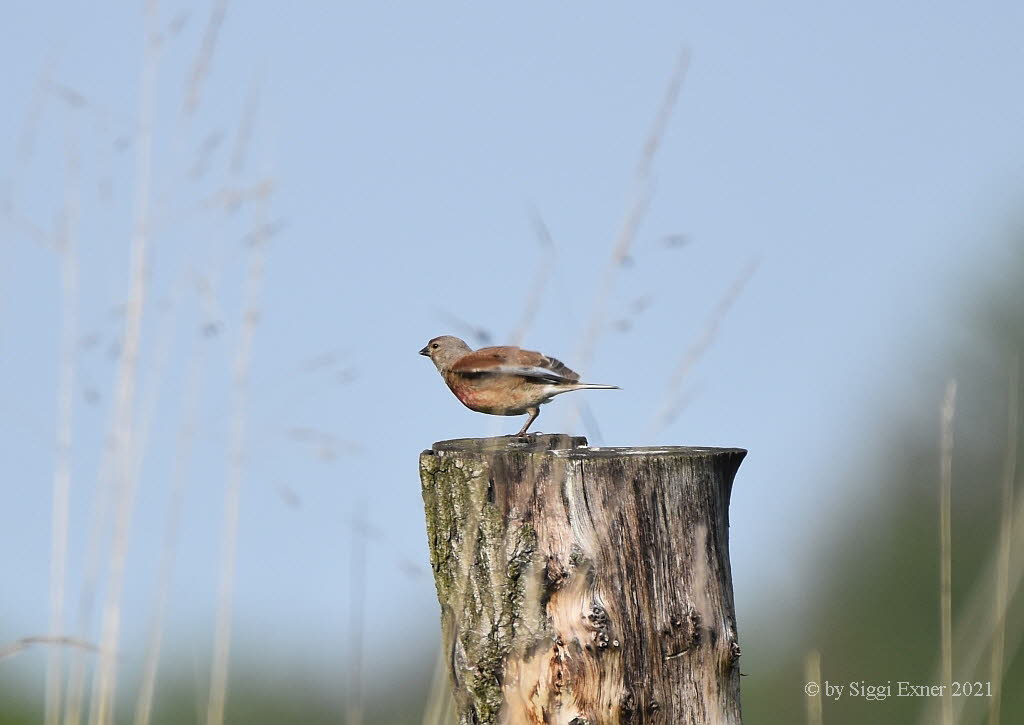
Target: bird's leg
[534,412]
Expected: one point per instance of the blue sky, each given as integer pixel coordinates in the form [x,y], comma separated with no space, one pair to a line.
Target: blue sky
[860,156]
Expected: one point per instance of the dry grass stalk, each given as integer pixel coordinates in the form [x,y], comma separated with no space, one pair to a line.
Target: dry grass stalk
[674,400]
[438,710]
[27,139]
[357,602]
[1002,583]
[236,470]
[99,519]
[68,260]
[186,436]
[540,281]
[945,548]
[201,67]
[20,645]
[812,673]
[635,213]
[105,681]
[244,134]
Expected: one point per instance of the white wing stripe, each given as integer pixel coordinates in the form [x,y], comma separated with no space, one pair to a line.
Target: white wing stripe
[525,371]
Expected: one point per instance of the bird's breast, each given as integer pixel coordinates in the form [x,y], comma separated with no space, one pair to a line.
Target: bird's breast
[496,394]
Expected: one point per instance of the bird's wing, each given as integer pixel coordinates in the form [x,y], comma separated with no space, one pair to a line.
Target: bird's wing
[515,361]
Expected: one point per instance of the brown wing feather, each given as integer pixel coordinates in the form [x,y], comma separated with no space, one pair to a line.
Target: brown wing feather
[514,361]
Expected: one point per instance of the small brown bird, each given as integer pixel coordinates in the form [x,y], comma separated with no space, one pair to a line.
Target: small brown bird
[502,380]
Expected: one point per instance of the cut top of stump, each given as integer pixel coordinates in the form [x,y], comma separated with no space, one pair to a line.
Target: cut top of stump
[576,447]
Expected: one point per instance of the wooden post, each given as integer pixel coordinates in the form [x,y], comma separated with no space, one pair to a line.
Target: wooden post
[584,586]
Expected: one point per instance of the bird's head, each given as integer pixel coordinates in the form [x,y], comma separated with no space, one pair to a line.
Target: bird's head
[445,350]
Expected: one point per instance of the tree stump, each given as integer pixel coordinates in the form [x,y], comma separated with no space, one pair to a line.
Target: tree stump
[584,586]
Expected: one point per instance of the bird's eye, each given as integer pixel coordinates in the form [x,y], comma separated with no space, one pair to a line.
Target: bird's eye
[434,346]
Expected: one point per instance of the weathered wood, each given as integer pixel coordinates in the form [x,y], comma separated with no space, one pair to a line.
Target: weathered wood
[584,586]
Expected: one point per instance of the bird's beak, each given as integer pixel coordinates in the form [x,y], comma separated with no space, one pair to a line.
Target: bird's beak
[425,351]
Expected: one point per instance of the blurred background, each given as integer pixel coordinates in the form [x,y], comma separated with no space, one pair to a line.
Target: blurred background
[228,227]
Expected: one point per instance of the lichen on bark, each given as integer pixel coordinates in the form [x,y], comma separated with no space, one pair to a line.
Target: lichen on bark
[482,568]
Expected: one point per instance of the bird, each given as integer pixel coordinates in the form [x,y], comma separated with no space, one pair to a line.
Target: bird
[503,380]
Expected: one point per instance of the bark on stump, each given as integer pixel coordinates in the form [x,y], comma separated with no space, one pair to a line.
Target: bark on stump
[584,586]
